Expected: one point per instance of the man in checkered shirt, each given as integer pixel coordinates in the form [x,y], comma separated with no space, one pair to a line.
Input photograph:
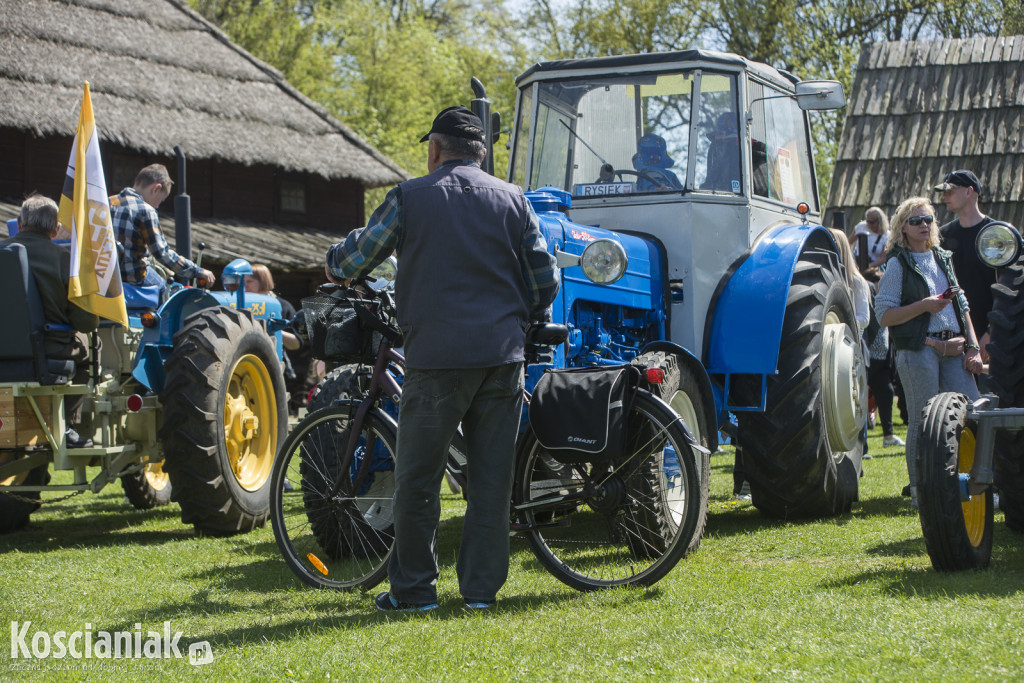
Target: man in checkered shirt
[134,217]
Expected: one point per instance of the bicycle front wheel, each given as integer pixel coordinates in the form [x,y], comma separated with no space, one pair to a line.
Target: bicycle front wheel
[625,522]
[332,515]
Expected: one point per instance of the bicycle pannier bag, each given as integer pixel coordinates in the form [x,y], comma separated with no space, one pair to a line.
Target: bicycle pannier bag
[579,414]
[337,328]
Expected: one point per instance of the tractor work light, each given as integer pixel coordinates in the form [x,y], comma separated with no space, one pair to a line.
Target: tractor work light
[604,261]
[998,244]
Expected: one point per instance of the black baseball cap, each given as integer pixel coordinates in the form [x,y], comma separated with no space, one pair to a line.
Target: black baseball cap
[458,122]
[959,179]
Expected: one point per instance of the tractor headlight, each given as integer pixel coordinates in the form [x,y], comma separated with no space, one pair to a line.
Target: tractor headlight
[604,261]
[998,244]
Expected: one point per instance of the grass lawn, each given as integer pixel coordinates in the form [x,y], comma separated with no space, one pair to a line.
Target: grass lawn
[851,598]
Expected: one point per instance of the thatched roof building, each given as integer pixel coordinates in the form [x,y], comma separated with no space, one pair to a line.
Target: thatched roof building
[270,172]
[918,110]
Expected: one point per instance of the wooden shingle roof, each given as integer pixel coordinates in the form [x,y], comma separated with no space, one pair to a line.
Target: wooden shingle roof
[160,76]
[918,110]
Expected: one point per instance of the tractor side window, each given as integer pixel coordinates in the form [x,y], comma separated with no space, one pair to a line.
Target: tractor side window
[781,159]
[524,128]
[718,143]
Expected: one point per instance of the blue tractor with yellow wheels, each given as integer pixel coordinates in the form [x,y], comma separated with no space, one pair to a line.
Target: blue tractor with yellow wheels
[187,403]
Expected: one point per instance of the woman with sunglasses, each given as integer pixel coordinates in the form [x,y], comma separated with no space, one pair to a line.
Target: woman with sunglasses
[928,318]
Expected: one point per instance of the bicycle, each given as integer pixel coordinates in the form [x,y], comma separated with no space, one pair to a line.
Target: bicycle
[628,521]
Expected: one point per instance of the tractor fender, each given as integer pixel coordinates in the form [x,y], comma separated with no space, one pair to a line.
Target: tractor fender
[156,343]
[748,313]
[708,394]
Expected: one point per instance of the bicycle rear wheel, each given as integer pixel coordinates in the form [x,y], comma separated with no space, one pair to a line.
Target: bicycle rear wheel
[620,523]
[333,520]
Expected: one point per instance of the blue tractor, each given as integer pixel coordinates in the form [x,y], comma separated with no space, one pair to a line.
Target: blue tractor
[187,403]
[700,165]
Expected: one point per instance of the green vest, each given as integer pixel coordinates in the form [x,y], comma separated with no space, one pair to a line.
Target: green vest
[910,335]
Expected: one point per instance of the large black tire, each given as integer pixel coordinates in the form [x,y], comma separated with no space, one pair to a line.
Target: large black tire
[341,383]
[607,525]
[789,458]
[958,535]
[224,415]
[16,508]
[148,488]
[333,523]
[681,391]
[1006,367]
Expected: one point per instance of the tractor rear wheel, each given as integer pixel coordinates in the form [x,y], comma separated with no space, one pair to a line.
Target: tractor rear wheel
[148,488]
[224,414]
[16,508]
[802,455]
[1006,330]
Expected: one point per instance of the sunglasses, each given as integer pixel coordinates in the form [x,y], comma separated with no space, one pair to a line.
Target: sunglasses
[872,221]
[918,220]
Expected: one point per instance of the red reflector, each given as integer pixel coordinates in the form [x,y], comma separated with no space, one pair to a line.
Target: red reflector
[134,403]
[655,375]
[149,319]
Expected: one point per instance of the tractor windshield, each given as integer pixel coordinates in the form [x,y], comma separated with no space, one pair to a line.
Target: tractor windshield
[630,134]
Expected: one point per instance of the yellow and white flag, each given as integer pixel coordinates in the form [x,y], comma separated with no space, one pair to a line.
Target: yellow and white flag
[95,283]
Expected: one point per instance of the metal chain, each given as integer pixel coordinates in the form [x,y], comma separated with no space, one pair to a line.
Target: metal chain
[40,501]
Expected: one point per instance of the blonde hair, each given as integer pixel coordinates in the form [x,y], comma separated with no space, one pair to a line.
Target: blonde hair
[846,256]
[263,276]
[879,215]
[897,238]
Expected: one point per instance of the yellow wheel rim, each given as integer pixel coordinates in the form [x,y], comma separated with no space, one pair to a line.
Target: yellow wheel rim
[156,477]
[250,422]
[975,509]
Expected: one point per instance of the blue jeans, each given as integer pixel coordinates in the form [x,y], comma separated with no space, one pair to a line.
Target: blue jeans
[923,374]
[488,403]
[153,279]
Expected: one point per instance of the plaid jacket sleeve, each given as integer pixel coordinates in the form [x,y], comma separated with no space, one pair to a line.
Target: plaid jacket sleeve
[539,270]
[365,248]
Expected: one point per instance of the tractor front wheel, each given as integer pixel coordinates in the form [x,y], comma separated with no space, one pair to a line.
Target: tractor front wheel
[148,488]
[224,413]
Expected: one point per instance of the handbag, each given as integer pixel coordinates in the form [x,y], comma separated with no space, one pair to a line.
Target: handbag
[342,326]
[579,414]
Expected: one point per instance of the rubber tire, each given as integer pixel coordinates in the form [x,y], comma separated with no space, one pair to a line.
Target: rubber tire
[332,542]
[681,391]
[14,513]
[141,493]
[341,383]
[1006,368]
[786,455]
[940,445]
[529,451]
[198,372]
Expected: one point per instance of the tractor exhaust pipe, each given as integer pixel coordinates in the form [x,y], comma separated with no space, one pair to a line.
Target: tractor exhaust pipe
[182,211]
[481,106]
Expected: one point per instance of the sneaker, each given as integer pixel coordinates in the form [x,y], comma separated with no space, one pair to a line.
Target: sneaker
[478,606]
[744,493]
[386,603]
[74,440]
[906,491]
[891,441]
[866,456]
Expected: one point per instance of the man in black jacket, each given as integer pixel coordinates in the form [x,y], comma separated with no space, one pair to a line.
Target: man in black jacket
[473,271]
[51,268]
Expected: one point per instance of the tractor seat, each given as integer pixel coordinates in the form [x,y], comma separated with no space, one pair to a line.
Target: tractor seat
[22,356]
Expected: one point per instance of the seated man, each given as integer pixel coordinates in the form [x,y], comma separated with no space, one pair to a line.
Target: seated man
[652,162]
[724,155]
[137,226]
[51,268]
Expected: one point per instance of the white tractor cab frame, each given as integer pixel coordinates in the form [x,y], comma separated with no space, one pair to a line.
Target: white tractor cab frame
[710,156]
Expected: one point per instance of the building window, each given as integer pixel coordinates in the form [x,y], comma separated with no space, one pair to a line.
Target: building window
[293,196]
